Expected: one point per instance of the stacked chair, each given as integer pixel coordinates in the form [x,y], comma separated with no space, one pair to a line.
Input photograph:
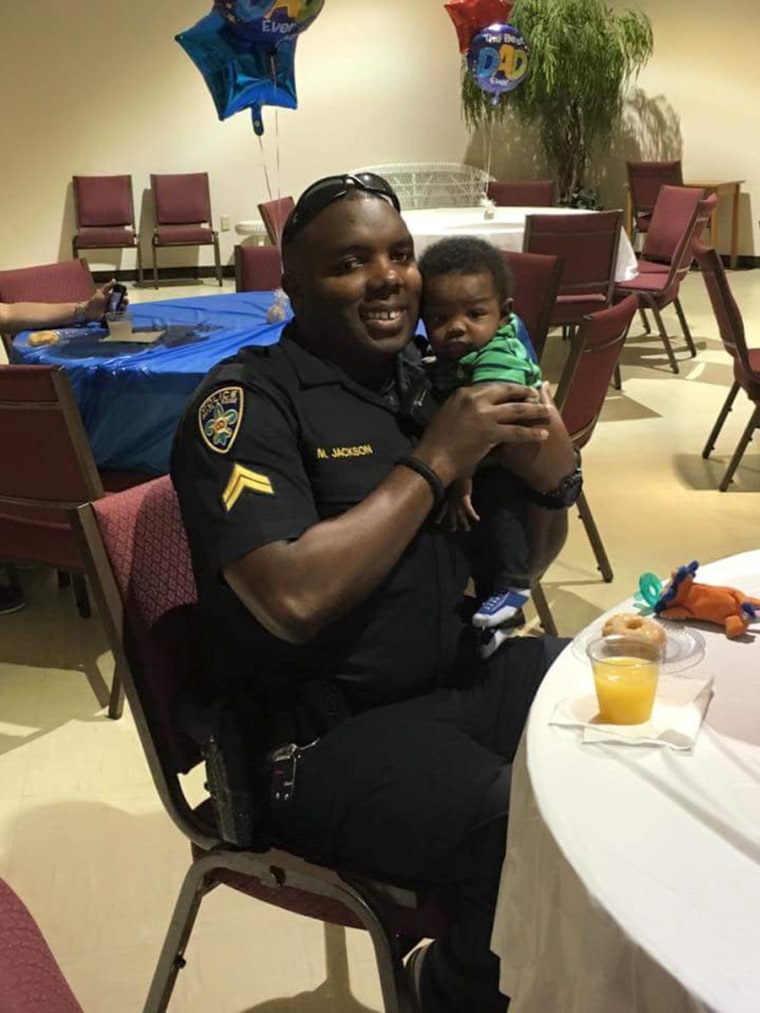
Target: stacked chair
[645,180]
[536,283]
[679,217]
[257,268]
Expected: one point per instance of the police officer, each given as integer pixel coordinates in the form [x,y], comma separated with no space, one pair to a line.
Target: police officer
[309,475]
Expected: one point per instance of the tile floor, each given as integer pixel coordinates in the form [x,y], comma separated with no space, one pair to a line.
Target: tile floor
[83,838]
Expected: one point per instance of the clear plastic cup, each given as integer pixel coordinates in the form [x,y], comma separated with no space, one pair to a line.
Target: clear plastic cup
[626,673]
[119,325]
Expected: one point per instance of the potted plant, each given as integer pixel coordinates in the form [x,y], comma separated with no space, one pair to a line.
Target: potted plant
[582,57]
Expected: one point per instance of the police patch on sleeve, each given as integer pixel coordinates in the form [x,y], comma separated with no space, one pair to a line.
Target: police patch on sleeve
[220,417]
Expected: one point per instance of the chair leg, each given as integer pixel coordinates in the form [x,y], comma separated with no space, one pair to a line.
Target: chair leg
[81,596]
[722,416]
[64,579]
[140,275]
[543,610]
[172,957]
[603,563]
[218,261]
[617,379]
[685,328]
[744,442]
[116,699]
[645,320]
[665,338]
[155,266]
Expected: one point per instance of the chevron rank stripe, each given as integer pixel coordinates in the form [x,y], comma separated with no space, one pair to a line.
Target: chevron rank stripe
[243,480]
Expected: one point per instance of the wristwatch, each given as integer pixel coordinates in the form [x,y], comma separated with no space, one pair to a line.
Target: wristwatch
[566,493]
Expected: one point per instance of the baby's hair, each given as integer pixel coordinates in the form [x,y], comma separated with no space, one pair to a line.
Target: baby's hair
[467,255]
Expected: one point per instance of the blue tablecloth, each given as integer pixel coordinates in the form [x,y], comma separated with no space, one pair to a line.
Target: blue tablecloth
[131,396]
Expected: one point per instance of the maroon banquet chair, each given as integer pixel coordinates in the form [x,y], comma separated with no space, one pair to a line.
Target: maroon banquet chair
[105,216]
[683,217]
[536,283]
[588,246]
[46,469]
[645,179]
[257,268]
[138,562]
[583,386]
[183,215]
[746,360]
[30,979]
[67,281]
[533,193]
[274,214]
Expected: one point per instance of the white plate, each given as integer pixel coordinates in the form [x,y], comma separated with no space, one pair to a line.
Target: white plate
[684,646]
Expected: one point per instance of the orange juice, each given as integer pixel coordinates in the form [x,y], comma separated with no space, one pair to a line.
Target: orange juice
[625,688]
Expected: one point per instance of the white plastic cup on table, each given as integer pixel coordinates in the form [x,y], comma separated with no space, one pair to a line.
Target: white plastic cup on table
[626,672]
[119,325]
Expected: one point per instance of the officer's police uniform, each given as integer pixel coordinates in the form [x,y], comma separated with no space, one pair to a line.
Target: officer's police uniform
[275,441]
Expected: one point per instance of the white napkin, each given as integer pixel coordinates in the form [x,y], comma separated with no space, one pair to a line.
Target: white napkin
[678,713]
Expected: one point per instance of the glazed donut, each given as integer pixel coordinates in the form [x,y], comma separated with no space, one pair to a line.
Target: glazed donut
[42,338]
[629,624]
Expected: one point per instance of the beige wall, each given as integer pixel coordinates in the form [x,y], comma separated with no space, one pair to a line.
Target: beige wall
[103,87]
[91,88]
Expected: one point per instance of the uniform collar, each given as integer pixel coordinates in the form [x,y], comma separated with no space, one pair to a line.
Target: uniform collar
[315,372]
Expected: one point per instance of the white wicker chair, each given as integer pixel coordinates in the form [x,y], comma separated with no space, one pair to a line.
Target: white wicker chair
[434,184]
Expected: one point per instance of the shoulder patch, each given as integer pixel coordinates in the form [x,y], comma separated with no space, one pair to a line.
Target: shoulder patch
[220,417]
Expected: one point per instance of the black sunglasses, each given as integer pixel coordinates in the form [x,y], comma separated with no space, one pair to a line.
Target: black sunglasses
[324,192]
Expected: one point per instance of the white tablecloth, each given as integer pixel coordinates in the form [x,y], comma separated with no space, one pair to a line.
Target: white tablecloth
[505,230]
[632,878]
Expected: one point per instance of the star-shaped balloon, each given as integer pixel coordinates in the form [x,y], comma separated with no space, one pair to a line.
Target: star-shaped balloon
[471,16]
[240,73]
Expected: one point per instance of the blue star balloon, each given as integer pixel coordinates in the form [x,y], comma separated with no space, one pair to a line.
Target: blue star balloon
[240,72]
[270,22]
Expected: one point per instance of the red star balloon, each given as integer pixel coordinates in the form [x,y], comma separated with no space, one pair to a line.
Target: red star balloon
[470,16]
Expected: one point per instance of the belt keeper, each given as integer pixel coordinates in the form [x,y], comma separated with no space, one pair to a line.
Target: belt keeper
[431,477]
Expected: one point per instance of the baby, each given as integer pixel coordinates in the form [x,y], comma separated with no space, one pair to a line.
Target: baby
[467,312]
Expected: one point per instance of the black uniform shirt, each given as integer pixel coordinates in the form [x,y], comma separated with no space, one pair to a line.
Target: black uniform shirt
[274,441]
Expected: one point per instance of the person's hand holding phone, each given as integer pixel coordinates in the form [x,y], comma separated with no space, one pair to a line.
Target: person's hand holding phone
[112,298]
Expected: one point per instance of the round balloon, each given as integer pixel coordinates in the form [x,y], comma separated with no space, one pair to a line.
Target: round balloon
[498,59]
[469,16]
[269,21]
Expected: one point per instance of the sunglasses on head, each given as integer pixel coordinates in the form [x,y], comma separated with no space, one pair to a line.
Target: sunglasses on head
[324,192]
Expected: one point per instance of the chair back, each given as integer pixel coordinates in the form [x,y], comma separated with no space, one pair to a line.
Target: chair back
[101,201]
[586,378]
[181,198]
[645,180]
[68,281]
[725,308]
[534,193]
[139,565]
[536,280]
[672,217]
[257,268]
[30,979]
[274,214]
[587,244]
[46,466]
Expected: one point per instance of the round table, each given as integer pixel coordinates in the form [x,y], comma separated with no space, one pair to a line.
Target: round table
[632,877]
[505,230]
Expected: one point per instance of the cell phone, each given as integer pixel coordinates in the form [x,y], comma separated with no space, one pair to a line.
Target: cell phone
[115,299]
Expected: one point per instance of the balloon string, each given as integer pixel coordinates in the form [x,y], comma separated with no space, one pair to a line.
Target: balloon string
[489,153]
[264,163]
[280,223]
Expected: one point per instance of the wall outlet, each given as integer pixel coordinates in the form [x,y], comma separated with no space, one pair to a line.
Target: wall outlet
[226,223]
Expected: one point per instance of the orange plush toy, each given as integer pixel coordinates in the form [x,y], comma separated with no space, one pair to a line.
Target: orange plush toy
[684,599]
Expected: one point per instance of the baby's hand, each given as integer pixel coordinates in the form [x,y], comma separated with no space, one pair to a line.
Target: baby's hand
[458,510]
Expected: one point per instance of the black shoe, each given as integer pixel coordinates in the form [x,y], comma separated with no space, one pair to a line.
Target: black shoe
[11,599]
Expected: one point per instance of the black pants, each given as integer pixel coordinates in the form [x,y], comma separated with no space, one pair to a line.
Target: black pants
[420,790]
[498,542]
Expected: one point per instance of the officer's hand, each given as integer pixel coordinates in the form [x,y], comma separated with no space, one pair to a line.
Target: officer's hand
[475,419]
